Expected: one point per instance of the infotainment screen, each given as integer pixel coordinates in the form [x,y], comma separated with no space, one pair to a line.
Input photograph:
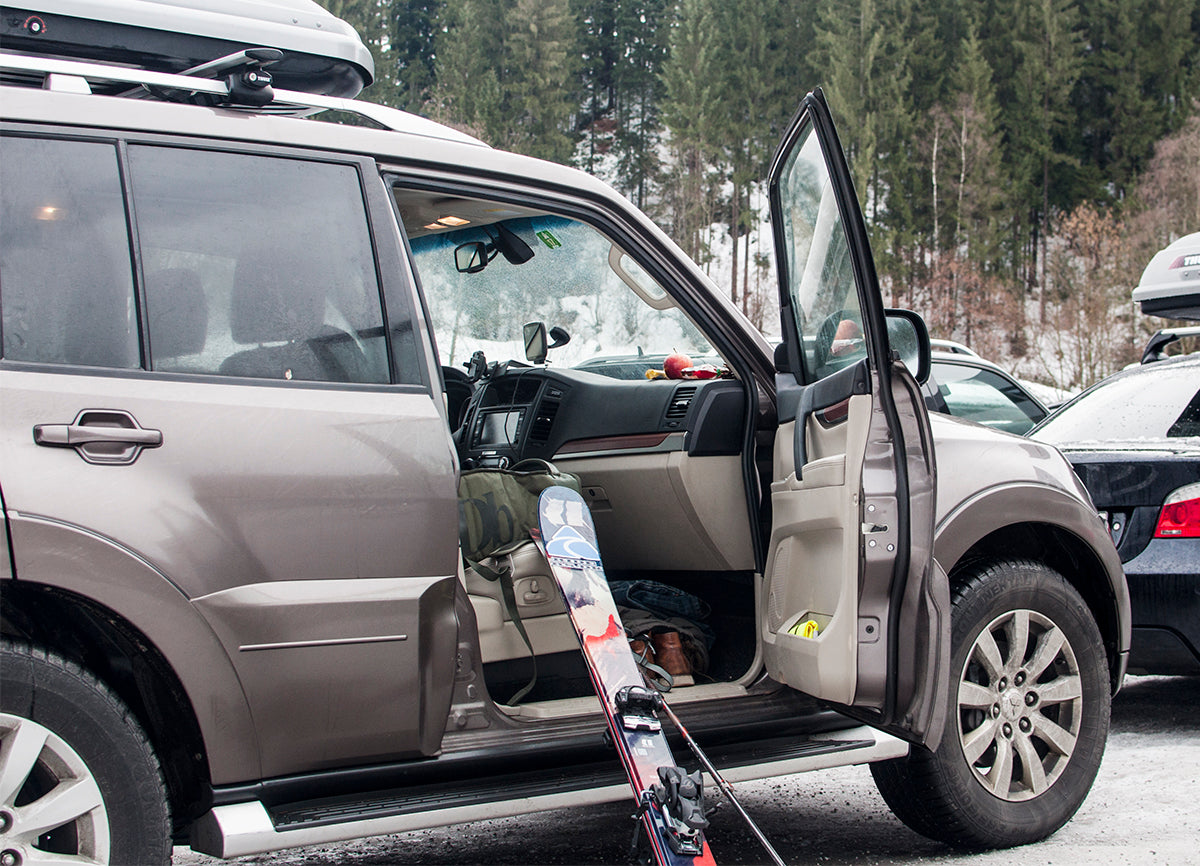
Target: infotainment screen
[499,428]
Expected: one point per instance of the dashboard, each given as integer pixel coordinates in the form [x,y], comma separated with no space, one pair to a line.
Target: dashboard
[526,412]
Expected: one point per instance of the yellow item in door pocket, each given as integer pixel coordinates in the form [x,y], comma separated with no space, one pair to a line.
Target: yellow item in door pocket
[808,628]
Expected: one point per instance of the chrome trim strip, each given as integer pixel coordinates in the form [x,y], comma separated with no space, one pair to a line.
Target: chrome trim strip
[335,641]
[245,828]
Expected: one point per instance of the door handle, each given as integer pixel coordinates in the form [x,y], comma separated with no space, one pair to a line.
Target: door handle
[108,437]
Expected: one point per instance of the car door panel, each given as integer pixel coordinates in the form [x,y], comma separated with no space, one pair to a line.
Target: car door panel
[278,501]
[293,486]
[916,697]
[813,547]
[854,611]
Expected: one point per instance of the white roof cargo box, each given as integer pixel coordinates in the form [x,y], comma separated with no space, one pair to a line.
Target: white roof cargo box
[1170,285]
[322,53]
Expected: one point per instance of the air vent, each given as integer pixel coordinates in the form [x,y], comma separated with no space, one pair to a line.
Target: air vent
[680,402]
[543,422]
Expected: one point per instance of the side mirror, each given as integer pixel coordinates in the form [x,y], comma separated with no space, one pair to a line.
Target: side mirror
[471,258]
[535,342]
[909,338]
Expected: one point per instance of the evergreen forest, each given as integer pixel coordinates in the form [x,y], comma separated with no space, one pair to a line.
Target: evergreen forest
[1018,161]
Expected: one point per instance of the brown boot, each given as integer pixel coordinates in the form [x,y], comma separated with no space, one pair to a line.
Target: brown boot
[652,673]
[668,650]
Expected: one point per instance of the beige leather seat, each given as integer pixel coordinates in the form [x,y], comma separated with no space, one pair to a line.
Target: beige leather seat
[539,604]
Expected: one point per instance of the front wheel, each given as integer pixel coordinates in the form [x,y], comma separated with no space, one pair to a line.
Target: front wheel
[78,780]
[1028,719]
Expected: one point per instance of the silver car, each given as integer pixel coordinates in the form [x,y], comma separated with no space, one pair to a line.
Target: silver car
[235,410]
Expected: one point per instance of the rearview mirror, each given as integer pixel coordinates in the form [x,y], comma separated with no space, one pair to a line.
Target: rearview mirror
[909,338]
[510,245]
[471,258]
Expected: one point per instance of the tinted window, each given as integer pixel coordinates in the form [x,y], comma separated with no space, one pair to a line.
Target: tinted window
[66,283]
[986,397]
[257,266]
[1157,402]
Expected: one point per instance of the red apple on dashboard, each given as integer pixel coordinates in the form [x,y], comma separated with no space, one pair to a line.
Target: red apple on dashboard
[675,364]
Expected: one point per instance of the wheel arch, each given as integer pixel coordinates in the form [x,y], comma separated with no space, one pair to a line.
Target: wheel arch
[102,606]
[123,658]
[1051,526]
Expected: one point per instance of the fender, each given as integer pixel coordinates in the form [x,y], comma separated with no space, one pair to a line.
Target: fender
[1002,507]
[69,557]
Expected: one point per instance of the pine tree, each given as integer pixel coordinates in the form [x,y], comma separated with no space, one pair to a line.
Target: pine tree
[642,28]
[965,173]
[599,51]
[689,106]
[976,115]
[861,44]
[751,52]
[1035,51]
[539,89]
[1051,53]
[1134,86]
[469,65]
[505,71]
[412,55]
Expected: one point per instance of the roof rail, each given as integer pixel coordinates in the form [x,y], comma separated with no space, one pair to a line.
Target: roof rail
[83,77]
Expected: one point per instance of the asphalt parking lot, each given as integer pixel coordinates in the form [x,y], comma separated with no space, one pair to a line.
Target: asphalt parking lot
[1144,808]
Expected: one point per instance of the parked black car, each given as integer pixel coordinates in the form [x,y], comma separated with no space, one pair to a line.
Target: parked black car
[1134,440]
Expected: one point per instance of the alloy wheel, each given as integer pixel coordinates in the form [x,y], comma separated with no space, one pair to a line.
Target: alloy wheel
[50,804]
[1020,705]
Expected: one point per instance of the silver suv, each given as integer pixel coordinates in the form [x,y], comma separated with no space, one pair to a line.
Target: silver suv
[245,356]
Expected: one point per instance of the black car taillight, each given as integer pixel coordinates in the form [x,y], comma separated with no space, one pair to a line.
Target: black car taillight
[1180,516]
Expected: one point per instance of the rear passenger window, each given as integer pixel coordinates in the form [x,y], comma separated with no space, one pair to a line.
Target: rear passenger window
[66,281]
[257,266]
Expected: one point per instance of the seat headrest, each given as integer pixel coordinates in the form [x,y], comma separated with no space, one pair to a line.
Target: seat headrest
[276,296]
[178,312]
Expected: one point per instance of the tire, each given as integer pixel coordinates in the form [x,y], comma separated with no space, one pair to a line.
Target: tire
[1034,723]
[77,775]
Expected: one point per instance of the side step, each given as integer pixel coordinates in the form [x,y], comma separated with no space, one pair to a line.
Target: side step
[237,829]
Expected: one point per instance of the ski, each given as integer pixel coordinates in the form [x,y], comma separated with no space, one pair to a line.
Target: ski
[670,801]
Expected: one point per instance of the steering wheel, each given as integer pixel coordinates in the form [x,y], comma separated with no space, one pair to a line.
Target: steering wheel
[839,341]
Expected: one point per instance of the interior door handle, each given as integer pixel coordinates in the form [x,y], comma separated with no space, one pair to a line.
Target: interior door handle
[101,436]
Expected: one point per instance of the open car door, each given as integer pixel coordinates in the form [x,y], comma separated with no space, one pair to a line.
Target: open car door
[856,611]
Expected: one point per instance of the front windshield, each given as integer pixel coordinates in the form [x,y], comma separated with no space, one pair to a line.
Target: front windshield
[614,311]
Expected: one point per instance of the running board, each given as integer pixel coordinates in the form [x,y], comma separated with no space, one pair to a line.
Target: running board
[238,829]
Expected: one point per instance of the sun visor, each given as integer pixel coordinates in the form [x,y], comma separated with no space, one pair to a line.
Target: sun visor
[1170,285]
[322,53]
